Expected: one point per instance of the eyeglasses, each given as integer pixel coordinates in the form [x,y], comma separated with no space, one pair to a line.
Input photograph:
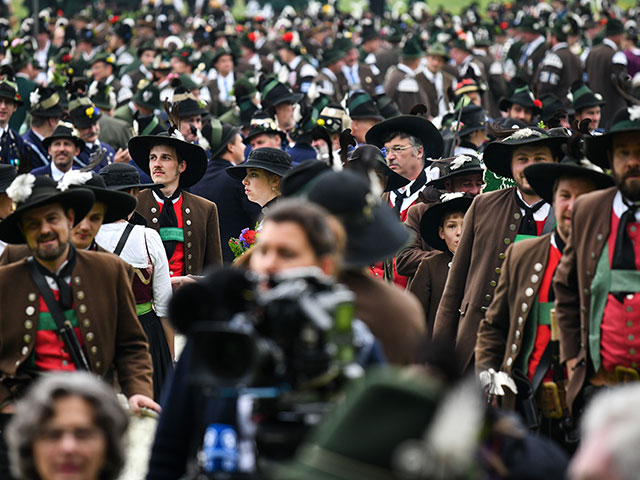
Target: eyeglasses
[395,149]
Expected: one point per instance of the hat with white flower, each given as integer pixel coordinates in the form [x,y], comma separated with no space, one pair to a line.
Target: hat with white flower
[434,215]
[45,102]
[598,146]
[457,166]
[82,112]
[582,97]
[497,154]
[29,192]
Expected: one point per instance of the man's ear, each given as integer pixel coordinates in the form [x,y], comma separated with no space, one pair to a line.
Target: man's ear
[182,166]
[441,232]
[71,216]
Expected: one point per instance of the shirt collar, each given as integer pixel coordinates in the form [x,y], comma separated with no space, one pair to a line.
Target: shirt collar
[619,207]
[610,43]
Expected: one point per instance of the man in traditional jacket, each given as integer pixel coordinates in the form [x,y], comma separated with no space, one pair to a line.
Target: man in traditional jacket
[494,221]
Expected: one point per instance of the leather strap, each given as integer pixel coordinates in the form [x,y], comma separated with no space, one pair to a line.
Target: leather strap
[543,366]
[65,329]
[123,239]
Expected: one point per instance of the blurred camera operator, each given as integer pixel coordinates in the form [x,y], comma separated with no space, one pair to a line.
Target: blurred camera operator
[295,235]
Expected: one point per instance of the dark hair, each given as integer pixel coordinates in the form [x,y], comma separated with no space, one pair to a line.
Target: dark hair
[324,233]
[448,215]
[38,120]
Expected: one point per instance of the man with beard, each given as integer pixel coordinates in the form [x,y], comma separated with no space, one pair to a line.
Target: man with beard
[493,222]
[597,284]
[63,146]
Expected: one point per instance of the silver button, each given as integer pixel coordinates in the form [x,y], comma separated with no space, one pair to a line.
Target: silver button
[82,308]
[630,296]
[512,227]
[76,280]
[24,350]
[98,364]
[514,348]
[154,209]
[189,233]
[30,310]
[188,244]
[189,257]
[28,324]
[32,297]
[593,255]
[80,295]
[188,222]
[599,237]
[27,338]
[520,321]
[493,283]
[86,322]
[537,267]
[516,216]
[517,334]
[534,278]
[189,268]
[507,241]
[154,220]
[187,210]
[524,307]
[509,361]
[94,349]
[90,336]
[529,292]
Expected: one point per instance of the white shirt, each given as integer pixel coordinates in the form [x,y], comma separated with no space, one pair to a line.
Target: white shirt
[56,173]
[540,214]
[619,207]
[225,86]
[135,253]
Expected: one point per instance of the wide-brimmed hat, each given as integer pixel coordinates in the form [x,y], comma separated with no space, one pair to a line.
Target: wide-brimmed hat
[118,205]
[582,97]
[299,179]
[542,176]
[64,130]
[122,176]
[105,57]
[83,113]
[497,154]
[188,104]
[414,125]
[218,135]
[412,48]
[597,146]
[275,93]
[8,173]
[472,119]
[373,230]
[361,106]
[102,95]
[613,27]
[261,122]
[9,87]
[193,155]
[438,50]
[272,160]
[432,217]
[45,102]
[370,156]
[521,96]
[531,24]
[331,56]
[552,108]
[28,192]
[457,166]
[334,118]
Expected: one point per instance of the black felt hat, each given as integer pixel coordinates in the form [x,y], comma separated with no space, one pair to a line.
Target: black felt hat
[45,102]
[522,96]
[9,87]
[299,179]
[552,107]
[7,174]
[414,125]
[370,156]
[275,93]
[459,165]
[542,176]
[118,204]
[29,192]
[83,113]
[582,97]
[218,135]
[472,119]
[597,146]
[261,122]
[193,155]
[188,104]
[497,154]
[122,176]
[432,217]
[270,159]
[360,106]
[374,232]
[64,131]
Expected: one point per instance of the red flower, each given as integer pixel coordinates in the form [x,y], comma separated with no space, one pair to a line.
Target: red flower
[66,58]
[239,28]
[114,19]
[537,103]
[185,54]
[504,25]
[252,37]
[18,97]
[603,21]
[287,37]
[60,13]
[250,237]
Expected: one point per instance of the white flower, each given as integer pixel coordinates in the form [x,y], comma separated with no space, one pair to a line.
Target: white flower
[523,133]
[447,197]
[73,177]
[584,163]
[176,133]
[634,113]
[93,89]
[459,161]
[570,97]
[136,128]
[494,382]
[34,98]
[21,187]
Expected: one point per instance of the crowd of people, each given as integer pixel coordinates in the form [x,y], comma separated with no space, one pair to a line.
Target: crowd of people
[463,188]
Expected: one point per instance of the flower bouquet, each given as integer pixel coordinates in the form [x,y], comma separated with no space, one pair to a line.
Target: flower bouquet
[244,242]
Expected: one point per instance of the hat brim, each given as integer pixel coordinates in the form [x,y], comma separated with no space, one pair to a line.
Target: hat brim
[497,154]
[291,98]
[439,182]
[432,217]
[240,171]
[385,227]
[78,141]
[118,204]
[193,155]
[225,141]
[247,139]
[141,186]
[4,94]
[597,146]
[56,111]
[542,177]
[414,125]
[505,105]
[80,200]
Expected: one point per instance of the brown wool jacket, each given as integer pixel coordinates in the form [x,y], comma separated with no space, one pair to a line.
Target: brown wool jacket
[502,331]
[428,284]
[201,229]
[591,226]
[111,333]
[490,226]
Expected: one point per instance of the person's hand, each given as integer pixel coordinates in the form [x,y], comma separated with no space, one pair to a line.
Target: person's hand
[137,401]
[177,282]
[122,156]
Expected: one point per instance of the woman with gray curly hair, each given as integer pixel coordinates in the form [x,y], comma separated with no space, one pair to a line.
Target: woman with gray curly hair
[69,425]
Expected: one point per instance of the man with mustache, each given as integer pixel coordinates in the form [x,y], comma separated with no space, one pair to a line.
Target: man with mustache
[597,284]
[188,224]
[63,146]
[64,309]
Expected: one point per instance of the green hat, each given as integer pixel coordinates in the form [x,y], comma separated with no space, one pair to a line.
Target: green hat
[183,54]
[106,57]
[522,96]
[613,27]
[343,43]
[438,50]
[331,56]
[102,95]
[220,52]
[562,28]
[45,102]
[361,106]
[531,24]
[9,87]
[466,164]
[598,146]
[147,96]
[218,135]
[412,48]
[582,97]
